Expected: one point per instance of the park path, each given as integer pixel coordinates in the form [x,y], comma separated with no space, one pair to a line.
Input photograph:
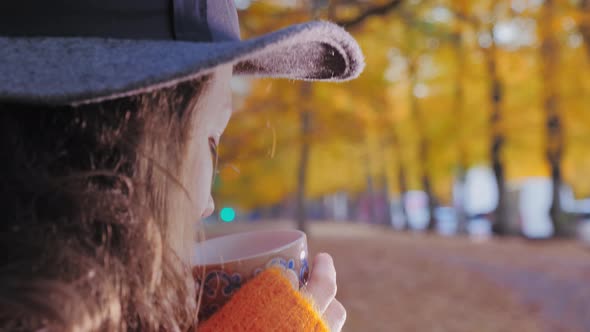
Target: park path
[407,282]
[430,283]
[551,278]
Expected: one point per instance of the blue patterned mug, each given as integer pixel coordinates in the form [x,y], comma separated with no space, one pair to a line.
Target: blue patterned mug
[223,264]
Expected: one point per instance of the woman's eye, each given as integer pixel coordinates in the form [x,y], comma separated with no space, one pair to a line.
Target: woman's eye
[214,157]
[213,147]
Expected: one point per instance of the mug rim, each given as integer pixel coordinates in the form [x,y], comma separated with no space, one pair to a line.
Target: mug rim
[301,235]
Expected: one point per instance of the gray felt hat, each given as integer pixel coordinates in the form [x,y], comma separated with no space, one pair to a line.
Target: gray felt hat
[84,51]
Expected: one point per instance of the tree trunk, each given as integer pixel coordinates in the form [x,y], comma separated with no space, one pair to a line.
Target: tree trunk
[424,145]
[555,210]
[459,96]
[460,213]
[553,126]
[386,218]
[401,179]
[500,226]
[305,118]
[403,189]
[431,201]
[584,7]
[305,127]
[370,192]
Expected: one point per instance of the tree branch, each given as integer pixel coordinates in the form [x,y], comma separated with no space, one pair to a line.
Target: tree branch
[467,19]
[375,11]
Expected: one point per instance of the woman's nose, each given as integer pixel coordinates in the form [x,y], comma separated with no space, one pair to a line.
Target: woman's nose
[210,208]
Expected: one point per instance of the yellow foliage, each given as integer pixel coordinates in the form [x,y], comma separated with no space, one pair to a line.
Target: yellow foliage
[370,128]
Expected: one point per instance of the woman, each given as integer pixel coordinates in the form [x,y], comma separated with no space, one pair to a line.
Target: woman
[111,114]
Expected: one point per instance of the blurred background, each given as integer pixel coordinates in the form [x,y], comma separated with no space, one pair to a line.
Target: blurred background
[450,181]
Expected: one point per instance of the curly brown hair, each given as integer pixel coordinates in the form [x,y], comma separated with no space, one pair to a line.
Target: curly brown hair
[85,227]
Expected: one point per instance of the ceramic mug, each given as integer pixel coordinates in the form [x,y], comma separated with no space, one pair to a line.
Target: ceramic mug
[224,264]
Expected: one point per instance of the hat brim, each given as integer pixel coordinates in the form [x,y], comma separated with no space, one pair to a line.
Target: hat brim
[61,71]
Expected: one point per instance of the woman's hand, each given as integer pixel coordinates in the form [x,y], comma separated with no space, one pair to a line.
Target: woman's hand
[322,290]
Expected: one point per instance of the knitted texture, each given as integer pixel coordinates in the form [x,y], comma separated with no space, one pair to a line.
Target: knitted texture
[266,303]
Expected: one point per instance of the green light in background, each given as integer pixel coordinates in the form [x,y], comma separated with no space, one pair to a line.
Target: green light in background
[227,214]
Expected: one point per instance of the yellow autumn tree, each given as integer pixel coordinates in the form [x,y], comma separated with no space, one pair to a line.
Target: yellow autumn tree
[448,85]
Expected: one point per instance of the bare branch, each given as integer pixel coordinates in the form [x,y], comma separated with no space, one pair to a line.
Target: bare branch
[471,20]
[381,10]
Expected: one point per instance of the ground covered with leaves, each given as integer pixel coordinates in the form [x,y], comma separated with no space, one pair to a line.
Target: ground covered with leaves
[392,281]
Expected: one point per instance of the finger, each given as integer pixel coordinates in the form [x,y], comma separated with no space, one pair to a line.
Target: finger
[335,316]
[322,282]
[292,277]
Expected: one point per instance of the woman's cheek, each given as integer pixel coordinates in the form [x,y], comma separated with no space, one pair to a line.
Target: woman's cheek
[202,178]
